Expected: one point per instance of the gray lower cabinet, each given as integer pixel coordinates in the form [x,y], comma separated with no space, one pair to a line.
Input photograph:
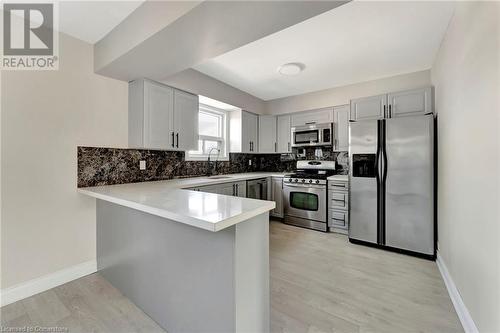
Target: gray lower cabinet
[338,206]
[238,189]
[277,196]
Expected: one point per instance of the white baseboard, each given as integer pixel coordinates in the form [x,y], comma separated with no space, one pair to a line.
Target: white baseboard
[46,282]
[462,312]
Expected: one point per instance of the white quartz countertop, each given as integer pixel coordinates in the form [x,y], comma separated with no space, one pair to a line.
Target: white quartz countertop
[344,178]
[172,200]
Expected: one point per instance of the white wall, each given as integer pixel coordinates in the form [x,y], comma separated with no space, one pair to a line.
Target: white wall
[46,225]
[201,84]
[342,95]
[149,18]
[466,78]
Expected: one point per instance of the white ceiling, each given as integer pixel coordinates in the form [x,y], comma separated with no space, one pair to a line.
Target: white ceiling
[356,42]
[92,20]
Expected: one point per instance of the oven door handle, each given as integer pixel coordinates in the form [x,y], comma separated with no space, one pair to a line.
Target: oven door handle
[319,187]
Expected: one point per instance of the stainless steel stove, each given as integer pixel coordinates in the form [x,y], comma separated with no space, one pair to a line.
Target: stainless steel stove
[305,194]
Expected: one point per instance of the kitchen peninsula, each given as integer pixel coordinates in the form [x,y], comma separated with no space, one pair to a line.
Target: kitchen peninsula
[193,261]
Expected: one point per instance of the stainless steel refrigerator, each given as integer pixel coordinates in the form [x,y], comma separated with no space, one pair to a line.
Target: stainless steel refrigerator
[392,183]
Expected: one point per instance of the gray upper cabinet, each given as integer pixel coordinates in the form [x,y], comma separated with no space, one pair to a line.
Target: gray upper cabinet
[249,132]
[341,125]
[161,117]
[267,134]
[410,102]
[398,104]
[369,108]
[283,134]
[319,116]
[186,113]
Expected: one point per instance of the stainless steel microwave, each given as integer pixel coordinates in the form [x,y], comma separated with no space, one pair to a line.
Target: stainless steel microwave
[312,135]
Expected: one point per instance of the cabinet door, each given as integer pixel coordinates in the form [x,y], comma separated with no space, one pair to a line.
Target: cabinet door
[277,197]
[369,108]
[283,134]
[249,130]
[241,189]
[319,116]
[341,120]
[186,108]
[226,189]
[267,134]
[209,188]
[410,102]
[158,116]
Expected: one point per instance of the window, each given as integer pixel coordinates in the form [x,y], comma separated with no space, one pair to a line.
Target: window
[213,129]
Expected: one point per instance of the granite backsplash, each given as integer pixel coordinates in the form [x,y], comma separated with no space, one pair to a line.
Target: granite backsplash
[107,166]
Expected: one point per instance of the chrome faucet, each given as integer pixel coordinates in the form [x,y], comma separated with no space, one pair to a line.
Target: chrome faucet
[209,169]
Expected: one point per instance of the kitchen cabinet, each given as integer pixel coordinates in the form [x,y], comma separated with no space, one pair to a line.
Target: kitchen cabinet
[186,111]
[341,127]
[319,116]
[338,206]
[161,117]
[283,134]
[240,189]
[410,103]
[395,104]
[369,108]
[243,132]
[237,189]
[277,196]
[267,134]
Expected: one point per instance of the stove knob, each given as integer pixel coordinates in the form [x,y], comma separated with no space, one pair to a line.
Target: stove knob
[303,180]
[310,181]
[296,180]
[290,179]
[317,181]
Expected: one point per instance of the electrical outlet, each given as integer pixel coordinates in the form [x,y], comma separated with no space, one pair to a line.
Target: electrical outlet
[250,162]
[142,165]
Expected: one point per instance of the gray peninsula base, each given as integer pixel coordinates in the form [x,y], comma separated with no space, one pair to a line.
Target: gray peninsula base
[187,279]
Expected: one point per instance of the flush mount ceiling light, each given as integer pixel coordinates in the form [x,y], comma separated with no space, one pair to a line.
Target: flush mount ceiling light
[292,68]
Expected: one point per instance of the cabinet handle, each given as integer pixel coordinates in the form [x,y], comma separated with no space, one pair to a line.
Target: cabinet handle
[390,110]
[173,140]
[275,147]
[237,189]
[311,122]
[288,146]
[234,189]
[384,112]
[177,136]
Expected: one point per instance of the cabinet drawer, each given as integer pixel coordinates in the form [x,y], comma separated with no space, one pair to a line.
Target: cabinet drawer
[338,200]
[337,185]
[338,218]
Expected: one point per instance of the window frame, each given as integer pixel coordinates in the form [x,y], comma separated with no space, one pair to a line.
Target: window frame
[224,139]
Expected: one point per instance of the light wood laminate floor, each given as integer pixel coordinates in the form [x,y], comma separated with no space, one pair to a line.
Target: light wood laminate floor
[319,283]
